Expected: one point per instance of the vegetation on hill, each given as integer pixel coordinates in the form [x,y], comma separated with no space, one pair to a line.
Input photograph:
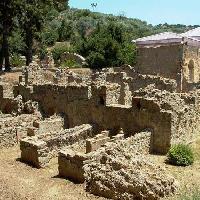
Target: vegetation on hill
[104,40]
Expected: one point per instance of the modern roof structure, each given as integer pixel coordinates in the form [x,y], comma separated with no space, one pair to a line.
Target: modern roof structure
[195,33]
[165,37]
[191,37]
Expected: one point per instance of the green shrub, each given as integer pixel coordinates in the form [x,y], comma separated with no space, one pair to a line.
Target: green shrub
[96,60]
[49,36]
[180,155]
[58,50]
[70,64]
[42,52]
[17,61]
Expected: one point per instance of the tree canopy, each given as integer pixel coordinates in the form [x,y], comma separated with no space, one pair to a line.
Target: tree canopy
[29,27]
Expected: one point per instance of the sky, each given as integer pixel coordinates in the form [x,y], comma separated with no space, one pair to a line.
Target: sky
[153,11]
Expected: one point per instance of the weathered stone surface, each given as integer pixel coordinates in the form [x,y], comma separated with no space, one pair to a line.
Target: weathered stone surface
[70,165]
[95,143]
[38,150]
[12,129]
[116,172]
[141,113]
[34,152]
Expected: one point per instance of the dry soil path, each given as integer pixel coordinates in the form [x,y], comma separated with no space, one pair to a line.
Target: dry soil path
[19,181]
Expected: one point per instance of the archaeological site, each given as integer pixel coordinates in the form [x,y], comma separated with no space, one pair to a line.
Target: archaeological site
[103,127]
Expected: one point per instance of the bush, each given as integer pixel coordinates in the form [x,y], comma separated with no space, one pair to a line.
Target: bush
[42,52]
[70,64]
[17,61]
[96,60]
[58,50]
[180,155]
[49,36]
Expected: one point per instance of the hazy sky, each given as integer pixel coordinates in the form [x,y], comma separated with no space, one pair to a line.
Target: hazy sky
[153,11]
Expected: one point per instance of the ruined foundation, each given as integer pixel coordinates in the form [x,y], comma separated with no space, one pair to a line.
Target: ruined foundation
[101,127]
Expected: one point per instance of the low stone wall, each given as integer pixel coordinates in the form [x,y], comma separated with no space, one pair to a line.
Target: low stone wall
[46,126]
[70,165]
[45,146]
[34,152]
[74,57]
[25,91]
[49,125]
[95,143]
[118,171]
[12,129]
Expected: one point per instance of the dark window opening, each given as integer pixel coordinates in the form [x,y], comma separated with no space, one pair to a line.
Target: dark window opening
[101,101]
[138,105]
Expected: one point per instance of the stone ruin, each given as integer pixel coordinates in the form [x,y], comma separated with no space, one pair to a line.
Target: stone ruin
[101,127]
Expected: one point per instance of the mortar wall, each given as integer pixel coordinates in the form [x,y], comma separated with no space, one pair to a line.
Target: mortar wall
[163,60]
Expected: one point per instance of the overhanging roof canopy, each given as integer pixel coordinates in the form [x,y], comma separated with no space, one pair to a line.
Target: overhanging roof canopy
[190,37]
[192,33]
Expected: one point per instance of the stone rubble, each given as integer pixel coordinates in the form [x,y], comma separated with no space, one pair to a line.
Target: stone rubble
[102,126]
[116,171]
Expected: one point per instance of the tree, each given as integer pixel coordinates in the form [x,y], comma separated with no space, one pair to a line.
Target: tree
[8,9]
[61,5]
[32,17]
[103,48]
[65,30]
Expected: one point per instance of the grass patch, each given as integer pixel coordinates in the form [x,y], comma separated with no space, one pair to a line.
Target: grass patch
[195,195]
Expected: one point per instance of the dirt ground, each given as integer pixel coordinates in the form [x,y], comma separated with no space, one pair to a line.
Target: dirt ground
[11,77]
[19,181]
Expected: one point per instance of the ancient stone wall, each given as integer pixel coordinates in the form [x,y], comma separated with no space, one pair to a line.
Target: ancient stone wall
[12,129]
[136,81]
[73,57]
[116,171]
[184,109]
[162,60]
[191,64]
[79,108]
[71,165]
[38,150]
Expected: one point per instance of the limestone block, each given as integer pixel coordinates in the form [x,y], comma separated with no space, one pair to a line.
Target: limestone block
[103,134]
[49,125]
[34,152]
[94,144]
[70,165]
[118,137]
